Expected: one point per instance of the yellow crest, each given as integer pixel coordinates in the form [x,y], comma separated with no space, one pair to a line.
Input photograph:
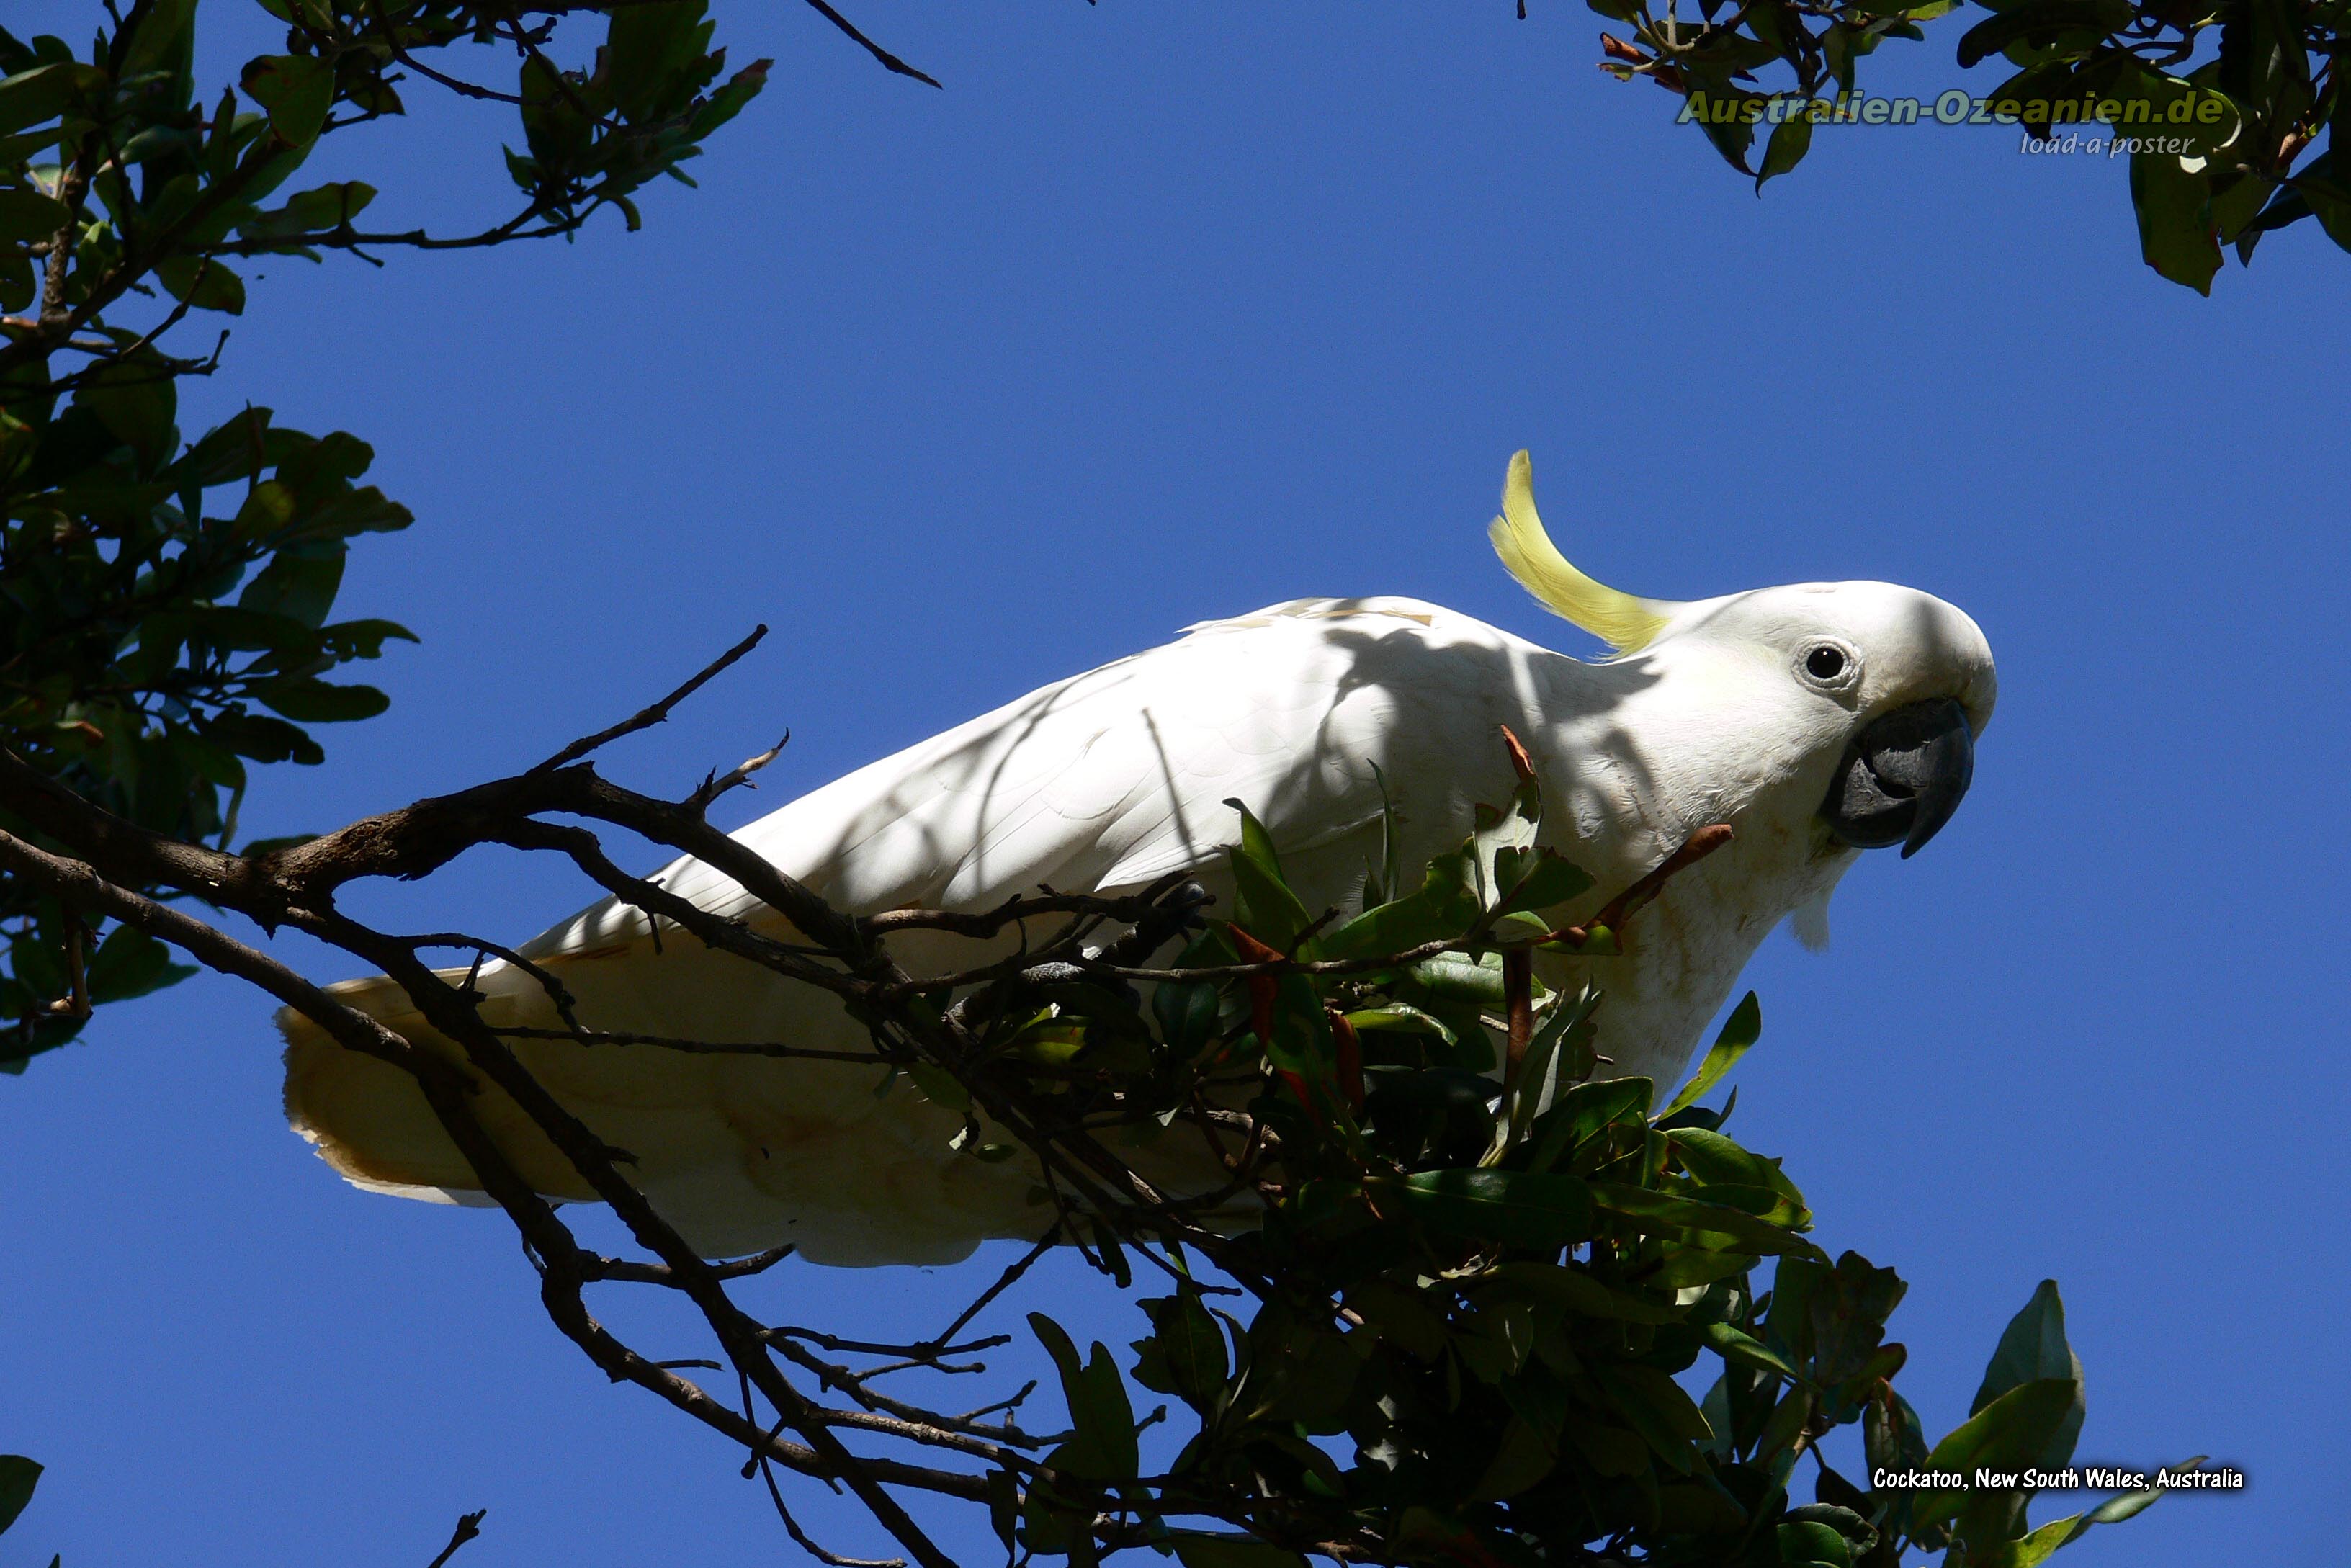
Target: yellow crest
[1625,622]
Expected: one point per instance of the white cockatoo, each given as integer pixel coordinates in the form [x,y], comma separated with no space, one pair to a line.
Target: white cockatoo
[1817,719]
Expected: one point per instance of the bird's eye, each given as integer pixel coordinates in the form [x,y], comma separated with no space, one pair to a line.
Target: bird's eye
[1825,662]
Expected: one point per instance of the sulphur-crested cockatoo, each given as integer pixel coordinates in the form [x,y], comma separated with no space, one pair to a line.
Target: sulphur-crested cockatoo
[1817,720]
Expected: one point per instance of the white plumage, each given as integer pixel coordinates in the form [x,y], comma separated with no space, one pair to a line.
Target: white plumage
[1111,779]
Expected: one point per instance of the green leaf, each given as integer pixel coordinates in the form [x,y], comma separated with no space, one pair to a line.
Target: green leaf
[2128,1505]
[1684,1266]
[307,701]
[1104,1449]
[2008,1434]
[264,740]
[657,62]
[1518,1208]
[26,214]
[1518,926]
[297,90]
[1892,1438]
[1266,909]
[1578,1115]
[1652,1211]
[1521,1460]
[160,40]
[1721,111]
[136,403]
[1791,140]
[1457,977]
[1572,1289]
[1231,1551]
[364,639]
[1854,1530]
[2036,1548]
[1812,1542]
[320,209]
[728,100]
[1401,1018]
[1668,1420]
[1400,1315]
[1717,1162]
[130,962]
[42,93]
[2033,1348]
[2041,21]
[18,1477]
[1740,1031]
[1186,1011]
[1191,1347]
[1442,907]
[205,282]
[2176,231]
[1566,1026]
[1542,879]
[1732,1345]
[939,1086]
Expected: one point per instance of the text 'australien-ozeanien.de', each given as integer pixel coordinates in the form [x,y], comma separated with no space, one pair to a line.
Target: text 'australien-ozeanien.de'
[1953,107]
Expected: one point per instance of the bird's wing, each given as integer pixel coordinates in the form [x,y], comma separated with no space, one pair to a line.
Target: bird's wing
[1106,780]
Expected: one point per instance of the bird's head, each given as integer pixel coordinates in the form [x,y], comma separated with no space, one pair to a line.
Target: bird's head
[1876,691]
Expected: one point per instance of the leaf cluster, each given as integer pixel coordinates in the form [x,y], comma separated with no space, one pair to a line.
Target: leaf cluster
[167,604]
[167,620]
[1484,1299]
[2248,86]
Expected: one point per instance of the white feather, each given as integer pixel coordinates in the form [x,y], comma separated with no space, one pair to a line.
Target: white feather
[1811,921]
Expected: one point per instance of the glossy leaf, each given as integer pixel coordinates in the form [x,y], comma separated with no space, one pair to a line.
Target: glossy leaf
[1104,1449]
[2008,1434]
[1516,1208]
[1268,909]
[2033,1348]
[1740,1030]
[1231,1551]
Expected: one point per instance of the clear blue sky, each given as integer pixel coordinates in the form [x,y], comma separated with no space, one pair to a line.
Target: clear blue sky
[1165,312]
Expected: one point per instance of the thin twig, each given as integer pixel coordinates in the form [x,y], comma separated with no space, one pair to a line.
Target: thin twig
[646,718]
[700,1047]
[792,1528]
[1004,1281]
[889,61]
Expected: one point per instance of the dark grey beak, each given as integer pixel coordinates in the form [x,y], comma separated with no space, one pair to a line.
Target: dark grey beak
[1902,778]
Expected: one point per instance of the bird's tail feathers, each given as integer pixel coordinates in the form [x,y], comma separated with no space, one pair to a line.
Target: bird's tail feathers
[369,1120]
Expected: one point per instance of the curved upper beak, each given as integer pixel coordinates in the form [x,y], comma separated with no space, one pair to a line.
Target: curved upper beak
[1902,778]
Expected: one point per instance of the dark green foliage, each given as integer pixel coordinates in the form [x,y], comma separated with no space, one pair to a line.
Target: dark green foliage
[1482,1307]
[154,649]
[2247,88]
[18,1477]
[167,605]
